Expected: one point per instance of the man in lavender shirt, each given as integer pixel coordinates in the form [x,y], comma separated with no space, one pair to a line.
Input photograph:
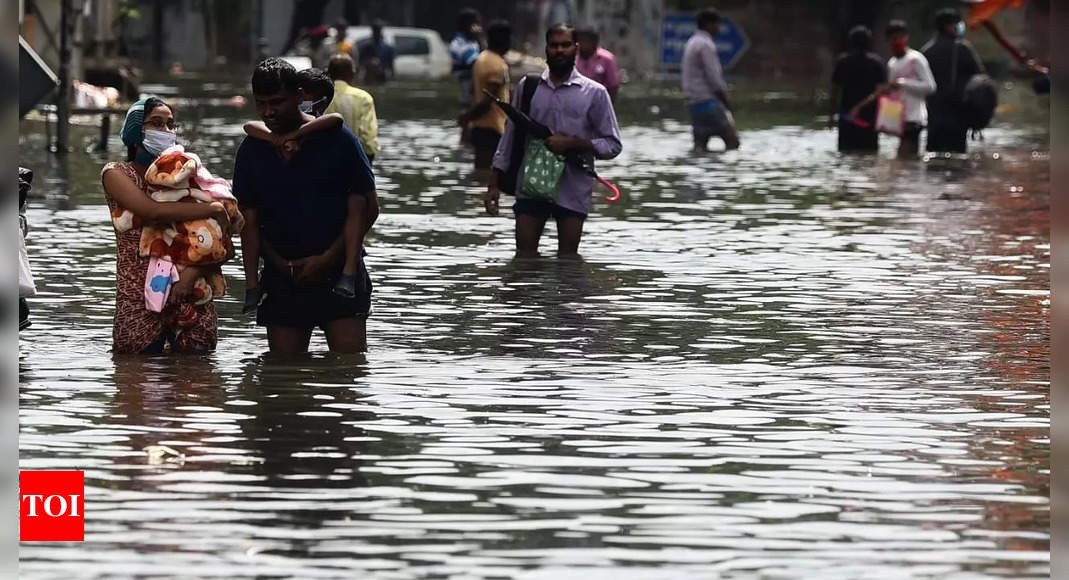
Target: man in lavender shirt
[580,114]
[704,88]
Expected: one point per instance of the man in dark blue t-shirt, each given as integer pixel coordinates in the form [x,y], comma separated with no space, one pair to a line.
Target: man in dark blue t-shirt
[295,205]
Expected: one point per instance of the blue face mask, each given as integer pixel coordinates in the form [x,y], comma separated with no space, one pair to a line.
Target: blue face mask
[960,29]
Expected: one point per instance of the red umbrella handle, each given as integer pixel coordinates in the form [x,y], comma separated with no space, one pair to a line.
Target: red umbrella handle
[615,191]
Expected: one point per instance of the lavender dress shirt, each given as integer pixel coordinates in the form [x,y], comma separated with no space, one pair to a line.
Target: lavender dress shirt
[578,107]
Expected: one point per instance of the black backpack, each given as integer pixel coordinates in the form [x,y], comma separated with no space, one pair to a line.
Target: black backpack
[978,99]
[507,183]
[978,102]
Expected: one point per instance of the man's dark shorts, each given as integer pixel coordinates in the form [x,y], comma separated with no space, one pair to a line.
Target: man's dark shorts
[485,139]
[946,135]
[710,119]
[912,131]
[854,138]
[288,305]
[543,209]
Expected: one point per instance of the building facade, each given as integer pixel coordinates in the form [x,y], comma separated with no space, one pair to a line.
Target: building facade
[787,39]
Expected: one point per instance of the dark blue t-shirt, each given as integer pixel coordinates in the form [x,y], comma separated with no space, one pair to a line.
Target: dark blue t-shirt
[302,203]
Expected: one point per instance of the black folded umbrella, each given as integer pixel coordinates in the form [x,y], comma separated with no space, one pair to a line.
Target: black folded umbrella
[523,121]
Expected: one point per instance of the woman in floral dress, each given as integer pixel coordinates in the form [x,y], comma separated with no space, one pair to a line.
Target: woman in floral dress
[181,326]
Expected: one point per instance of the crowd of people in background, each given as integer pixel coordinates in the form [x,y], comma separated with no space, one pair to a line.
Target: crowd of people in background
[942,88]
[305,187]
[304,182]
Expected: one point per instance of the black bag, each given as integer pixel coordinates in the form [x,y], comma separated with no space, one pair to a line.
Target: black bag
[979,102]
[25,181]
[978,99]
[507,182]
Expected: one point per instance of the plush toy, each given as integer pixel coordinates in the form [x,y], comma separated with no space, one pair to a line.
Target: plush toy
[124,220]
[172,169]
[178,176]
[207,287]
[190,243]
[161,276]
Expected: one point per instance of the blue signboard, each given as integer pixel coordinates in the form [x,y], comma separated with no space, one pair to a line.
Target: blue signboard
[730,40]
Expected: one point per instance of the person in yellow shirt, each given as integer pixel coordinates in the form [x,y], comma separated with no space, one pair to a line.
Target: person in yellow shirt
[356,106]
[340,32]
[490,72]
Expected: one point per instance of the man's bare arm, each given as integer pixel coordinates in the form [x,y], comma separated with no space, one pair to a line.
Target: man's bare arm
[250,247]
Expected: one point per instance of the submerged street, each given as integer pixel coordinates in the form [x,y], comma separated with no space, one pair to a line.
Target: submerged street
[776,361]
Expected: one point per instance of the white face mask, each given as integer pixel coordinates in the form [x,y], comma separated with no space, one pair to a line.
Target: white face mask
[156,142]
[960,29]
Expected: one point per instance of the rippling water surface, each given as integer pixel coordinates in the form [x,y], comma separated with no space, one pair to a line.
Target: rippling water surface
[775,362]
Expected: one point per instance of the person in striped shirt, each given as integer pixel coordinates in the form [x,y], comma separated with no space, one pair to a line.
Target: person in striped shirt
[463,50]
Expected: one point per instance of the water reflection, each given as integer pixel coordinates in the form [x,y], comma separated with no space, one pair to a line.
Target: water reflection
[543,307]
[303,420]
[159,397]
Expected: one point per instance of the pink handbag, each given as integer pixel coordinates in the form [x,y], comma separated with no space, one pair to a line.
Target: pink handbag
[890,115]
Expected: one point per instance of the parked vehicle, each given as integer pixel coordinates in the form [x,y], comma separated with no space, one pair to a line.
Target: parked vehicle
[419,53]
[298,62]
[521,64]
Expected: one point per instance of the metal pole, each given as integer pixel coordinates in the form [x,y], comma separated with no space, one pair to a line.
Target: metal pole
[63,97]
[105,130]
[254,19]
[157,32]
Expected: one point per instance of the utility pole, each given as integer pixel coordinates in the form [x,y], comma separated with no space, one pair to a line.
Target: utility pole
[254,22]
[63,96]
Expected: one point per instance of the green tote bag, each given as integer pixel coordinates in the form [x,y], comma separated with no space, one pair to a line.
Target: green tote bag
[542,171]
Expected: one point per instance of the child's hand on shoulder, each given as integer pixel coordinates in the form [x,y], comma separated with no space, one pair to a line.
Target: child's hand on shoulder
[289,146]
[279,139]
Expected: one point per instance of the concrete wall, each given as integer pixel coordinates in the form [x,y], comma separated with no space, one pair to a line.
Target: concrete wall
[797,39]
[630,29]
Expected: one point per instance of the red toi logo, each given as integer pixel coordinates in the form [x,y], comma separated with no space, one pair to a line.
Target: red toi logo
[51,506]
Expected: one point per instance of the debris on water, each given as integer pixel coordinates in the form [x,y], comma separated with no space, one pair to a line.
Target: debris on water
[160,454]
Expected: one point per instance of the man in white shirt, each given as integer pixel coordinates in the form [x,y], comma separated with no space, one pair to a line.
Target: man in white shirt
[909,78]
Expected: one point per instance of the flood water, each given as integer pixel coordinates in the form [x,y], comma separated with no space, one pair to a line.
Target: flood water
[776,362]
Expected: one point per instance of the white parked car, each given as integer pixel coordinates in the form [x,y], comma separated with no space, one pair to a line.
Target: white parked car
[298,62]
[521,64]
[419,53]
